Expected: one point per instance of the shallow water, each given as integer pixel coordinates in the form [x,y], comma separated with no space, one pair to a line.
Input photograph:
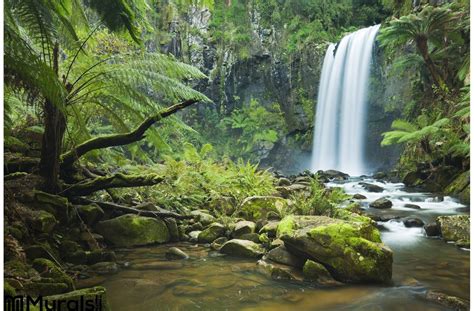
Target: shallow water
[208,281]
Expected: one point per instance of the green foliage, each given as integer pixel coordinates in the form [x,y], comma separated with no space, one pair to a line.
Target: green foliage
[252,127]
[196,180]
[321,201]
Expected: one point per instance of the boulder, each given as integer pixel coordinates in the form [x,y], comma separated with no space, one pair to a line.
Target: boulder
[413,222]
[91,213]
[351,251]
[94,298]
[254,237]
[43,221]
[214,231]
[270,229]
[256,207]
[281,255]
[242,248]
[432,229]
[243,227]
[333,175]
[371,187]
[381,203]
[203,217]
[317,273]
[133,230]
[454,228]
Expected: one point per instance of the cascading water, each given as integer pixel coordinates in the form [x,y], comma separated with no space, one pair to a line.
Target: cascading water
[341,108]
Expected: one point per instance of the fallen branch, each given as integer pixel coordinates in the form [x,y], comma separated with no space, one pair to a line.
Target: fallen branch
[161,213]
[107,182]
[106,141]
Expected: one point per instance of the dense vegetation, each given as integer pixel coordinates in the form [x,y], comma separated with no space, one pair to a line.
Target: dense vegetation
[130,111]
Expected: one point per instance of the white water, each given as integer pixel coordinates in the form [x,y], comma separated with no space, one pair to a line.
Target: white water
[341,107]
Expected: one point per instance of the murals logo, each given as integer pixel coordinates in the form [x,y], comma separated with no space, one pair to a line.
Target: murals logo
[80,303]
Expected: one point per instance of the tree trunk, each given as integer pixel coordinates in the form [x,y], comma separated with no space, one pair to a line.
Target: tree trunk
[54,128]
[422,45]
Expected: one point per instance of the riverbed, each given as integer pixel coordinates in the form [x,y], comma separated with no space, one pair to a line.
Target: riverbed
[210,281]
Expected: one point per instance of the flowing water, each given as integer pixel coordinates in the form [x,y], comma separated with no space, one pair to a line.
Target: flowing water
[208,281]
[341,106]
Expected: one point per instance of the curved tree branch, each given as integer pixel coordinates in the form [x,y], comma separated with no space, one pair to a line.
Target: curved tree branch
[115,181]
[137,134]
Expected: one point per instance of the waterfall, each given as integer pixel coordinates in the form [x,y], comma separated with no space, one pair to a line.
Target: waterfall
[341,107]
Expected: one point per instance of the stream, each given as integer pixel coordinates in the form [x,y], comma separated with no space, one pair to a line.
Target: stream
[209,281]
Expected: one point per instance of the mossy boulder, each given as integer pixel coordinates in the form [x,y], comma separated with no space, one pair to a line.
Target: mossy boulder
[57,205]
[203,217]
[460,186]
[351,251]
[214,231]
[270,229]
[243,227]
[256,207]
[242,248]
[97,295]
[278,271]
[51,273]
[43,221]
[91,213]
[133,230]
[454,228]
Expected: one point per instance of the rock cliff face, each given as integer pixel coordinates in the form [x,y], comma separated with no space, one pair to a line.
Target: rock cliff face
[270,74]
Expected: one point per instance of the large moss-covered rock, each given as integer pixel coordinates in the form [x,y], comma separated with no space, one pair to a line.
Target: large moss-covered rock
[242,248]
[454,228]
[133,230]
[214,231]
[460,186]
[255,207]
[96,295]
[351,251]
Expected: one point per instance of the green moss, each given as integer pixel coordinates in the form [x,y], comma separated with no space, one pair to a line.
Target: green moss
[315,271]
[131,230]
[257,207]
[286,226]
[49,269]
[8,290]
[88,294]
[211,233]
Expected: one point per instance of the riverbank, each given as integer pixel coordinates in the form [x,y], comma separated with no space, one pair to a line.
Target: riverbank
[97,246]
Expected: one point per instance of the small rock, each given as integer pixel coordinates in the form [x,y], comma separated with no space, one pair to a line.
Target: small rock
[217,243]
[203,217]
[176,253]
[270,229]
[371,187]
[281,255]
[172,228]
[359,196]
[413,222]
[243,227]
[413,206]
[451,302]
[381,203]
[284,182]
[106,267]
[254,237]
[214,231]
[275,243]
[316,272]
[193,236]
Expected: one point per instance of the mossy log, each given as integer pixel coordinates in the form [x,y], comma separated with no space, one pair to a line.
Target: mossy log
[68,159]
[115,181]
[159,213]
